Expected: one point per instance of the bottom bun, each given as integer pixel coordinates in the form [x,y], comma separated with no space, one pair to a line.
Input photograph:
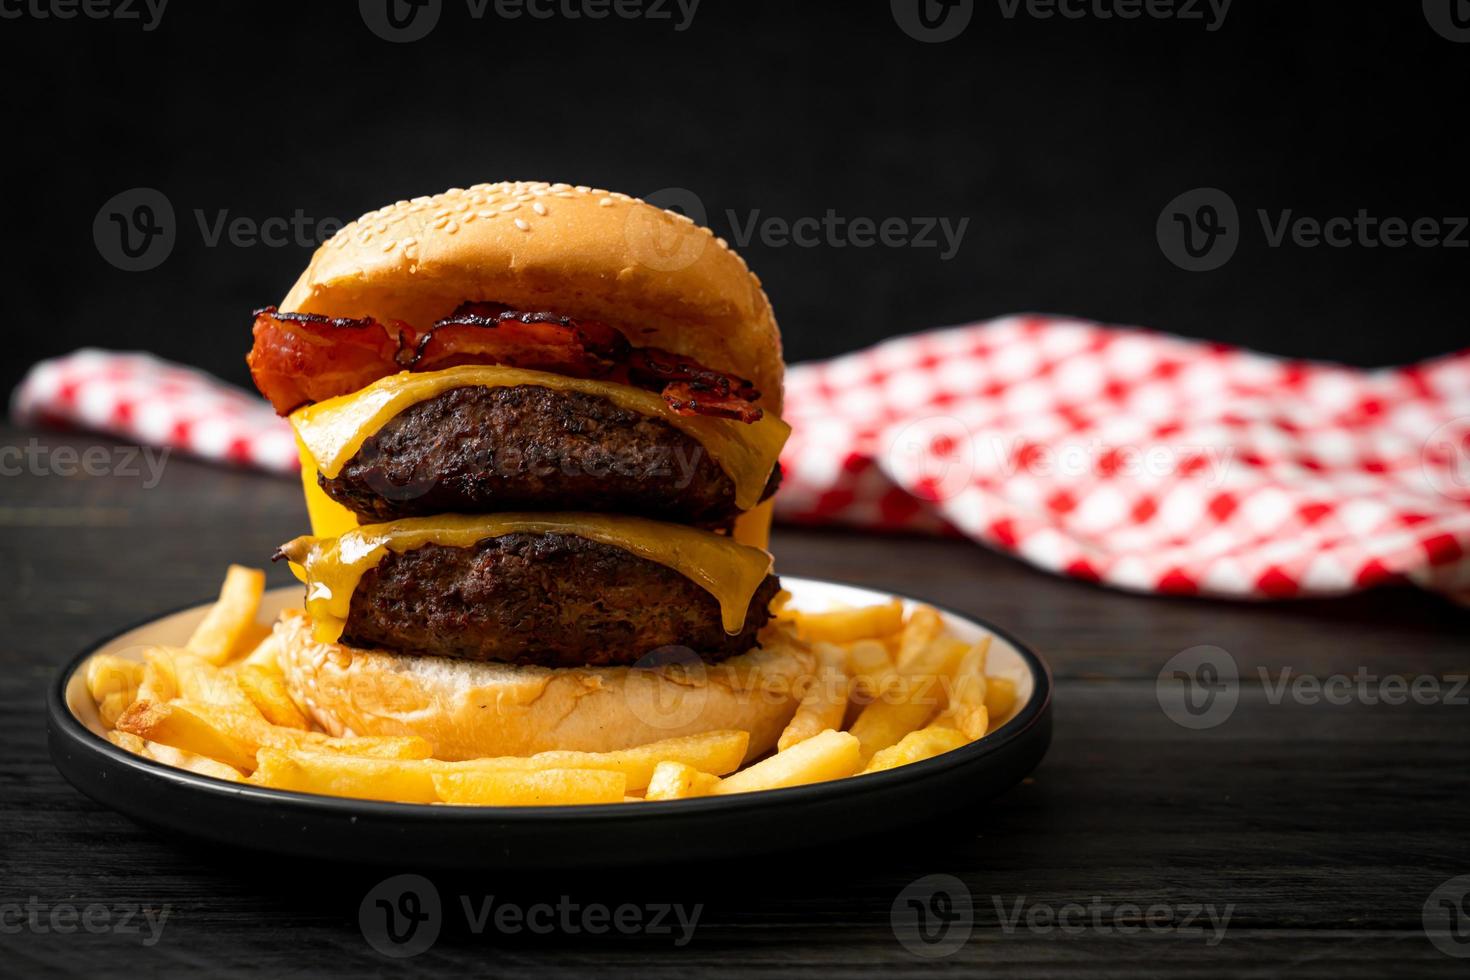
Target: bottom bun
[468,709]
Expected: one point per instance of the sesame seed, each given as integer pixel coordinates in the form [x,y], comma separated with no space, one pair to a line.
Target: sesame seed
[606,202]
[510,206]
[522,224]
[539,208]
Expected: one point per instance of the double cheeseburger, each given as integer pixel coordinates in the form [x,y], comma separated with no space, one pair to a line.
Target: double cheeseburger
[539,427]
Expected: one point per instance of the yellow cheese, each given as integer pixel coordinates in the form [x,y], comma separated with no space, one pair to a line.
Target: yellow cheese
[334,430]
[332,567]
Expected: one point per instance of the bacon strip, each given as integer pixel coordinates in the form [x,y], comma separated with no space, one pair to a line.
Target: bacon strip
[299,358]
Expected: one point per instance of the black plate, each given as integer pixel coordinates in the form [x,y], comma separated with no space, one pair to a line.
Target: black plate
[594,836]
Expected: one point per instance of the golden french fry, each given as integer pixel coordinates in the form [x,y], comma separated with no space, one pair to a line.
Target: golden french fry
[266,688]
[965,709]
[345,775]
[847,625]
[181,674]
[676,781]
[172,724]
[915,746]
[540,787]
[256,733]
[113,682]
[108,673]
[872,669]
[250,640]
[127,741]
[712,752]
[1000,698]
[264,654]
[830,755]
[920,695]
[824,702]
[232,615]
[923,627]
[201,764]
[159,683]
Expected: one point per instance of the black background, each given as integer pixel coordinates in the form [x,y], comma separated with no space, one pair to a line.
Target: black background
[1059,139]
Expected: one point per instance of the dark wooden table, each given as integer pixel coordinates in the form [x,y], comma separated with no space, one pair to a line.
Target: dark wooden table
[1320,829]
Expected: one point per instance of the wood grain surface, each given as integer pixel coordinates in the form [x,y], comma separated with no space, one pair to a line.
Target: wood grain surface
[1321,830]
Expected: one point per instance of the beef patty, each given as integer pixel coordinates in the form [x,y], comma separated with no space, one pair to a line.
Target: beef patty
[479,450]
[558,600]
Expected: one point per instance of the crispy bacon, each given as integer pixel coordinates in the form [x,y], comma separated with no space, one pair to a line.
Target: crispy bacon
[539,341]
[299,358]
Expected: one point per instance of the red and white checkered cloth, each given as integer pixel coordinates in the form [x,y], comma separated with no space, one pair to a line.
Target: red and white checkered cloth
[1122,456]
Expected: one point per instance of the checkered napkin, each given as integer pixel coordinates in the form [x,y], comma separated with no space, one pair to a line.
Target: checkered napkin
[1138,460]
[1143,461]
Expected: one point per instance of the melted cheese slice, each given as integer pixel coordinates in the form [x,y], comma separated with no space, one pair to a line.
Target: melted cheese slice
[333,567]
[334,430]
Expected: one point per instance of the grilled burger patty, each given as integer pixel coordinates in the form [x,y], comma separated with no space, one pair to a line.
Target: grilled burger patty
[478,450]
[557,600]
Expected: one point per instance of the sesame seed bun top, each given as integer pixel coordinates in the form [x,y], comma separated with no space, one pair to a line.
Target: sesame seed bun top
[653,274]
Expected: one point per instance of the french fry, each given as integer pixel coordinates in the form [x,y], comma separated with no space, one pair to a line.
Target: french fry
[917,746]
[264,654]
[530,788]
[229,619]
[676,781]
[918,697]
[171,756]
[128,741]
[712,752]
[825,700]
[847,625]
[345,775]
[159,683]
[965,709]
[266,688]
[250,640]
[1000,698]
[830,755]
[181,674]
[872,669]
[172,724]
[924,625]
[113,682]
[202,764]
